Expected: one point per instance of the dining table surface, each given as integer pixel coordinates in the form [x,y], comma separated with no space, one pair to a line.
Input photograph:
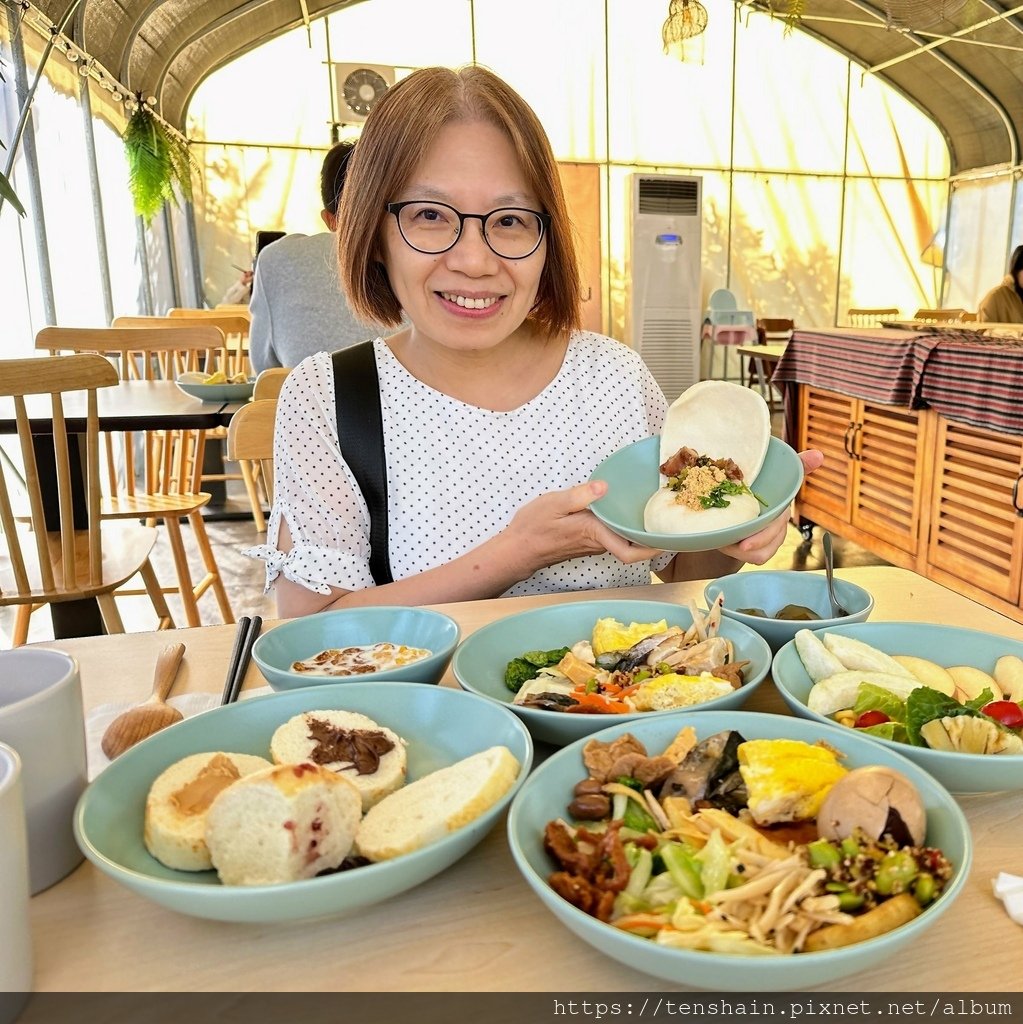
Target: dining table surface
[476,927]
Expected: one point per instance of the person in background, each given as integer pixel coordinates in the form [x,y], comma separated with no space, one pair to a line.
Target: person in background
[1004,303]
[496,407]
[240,292]
[297,306]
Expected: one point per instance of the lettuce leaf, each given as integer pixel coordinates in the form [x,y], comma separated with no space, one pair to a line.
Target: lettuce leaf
[888,730]
[986,696]
[923,705]
[870,697]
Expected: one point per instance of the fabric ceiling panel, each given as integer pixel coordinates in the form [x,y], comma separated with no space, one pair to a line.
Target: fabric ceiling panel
[971,91]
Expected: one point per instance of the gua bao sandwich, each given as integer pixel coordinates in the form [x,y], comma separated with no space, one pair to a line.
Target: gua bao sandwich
[713,444]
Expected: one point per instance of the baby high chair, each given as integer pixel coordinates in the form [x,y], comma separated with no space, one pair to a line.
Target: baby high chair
[724,326]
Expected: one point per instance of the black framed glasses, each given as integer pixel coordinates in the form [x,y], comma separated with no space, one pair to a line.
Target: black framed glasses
[513,233]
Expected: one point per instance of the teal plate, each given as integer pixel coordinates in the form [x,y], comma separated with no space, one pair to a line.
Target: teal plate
[632,476]
[548,791]
[773,589]
[945,645]
[481,658]
[218,392]
[109,816]
[279,648]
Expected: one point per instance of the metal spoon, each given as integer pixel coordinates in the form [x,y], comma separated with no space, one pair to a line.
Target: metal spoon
[837,611]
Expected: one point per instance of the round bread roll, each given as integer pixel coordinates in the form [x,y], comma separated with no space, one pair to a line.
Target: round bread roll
[282,824]
[180,799]
[722,421]
[429,808]
[366,761]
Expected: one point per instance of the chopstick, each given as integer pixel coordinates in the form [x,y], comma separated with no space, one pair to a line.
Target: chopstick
[244,638]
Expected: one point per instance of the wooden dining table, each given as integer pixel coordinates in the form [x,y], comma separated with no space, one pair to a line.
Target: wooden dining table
[476,927]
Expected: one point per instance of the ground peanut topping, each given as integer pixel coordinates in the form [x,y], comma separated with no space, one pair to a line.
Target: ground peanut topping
[698,482]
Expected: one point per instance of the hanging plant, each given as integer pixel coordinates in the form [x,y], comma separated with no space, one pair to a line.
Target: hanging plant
[158,160]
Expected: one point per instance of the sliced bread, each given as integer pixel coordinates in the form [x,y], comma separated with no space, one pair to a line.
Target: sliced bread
[370,756]
[282,824]
[179,800]
[429,808]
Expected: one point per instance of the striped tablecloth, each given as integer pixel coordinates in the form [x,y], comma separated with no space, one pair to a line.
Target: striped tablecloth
[964,376]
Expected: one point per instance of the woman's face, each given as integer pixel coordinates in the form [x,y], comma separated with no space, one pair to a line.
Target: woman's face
[467,298]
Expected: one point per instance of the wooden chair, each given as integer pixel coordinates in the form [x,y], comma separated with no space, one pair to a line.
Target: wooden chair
[67,564]
[235,359]
[169,490]
[871,317]
[270,382]
[251,436]
[937,316]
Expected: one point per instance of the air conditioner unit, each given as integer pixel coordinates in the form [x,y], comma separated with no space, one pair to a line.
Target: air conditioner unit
[358,88]
[665,257]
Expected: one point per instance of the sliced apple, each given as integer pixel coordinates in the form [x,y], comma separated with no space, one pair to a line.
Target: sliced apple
[971,683]
[929,673]
[1009,676]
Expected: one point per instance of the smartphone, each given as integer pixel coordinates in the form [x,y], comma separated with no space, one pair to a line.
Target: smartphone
[263,239]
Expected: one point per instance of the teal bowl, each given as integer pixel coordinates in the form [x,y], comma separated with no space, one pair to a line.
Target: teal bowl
[277,649]
[945,645]
[771,590]
[548,791]
[216,392]
[109,816]
[481,658]
[632,476]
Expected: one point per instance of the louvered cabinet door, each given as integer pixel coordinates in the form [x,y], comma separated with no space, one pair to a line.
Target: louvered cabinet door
[976,534]
[886,486]
[826,421]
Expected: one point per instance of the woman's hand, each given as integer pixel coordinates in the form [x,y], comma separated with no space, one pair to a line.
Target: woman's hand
[559,525]
[762,545]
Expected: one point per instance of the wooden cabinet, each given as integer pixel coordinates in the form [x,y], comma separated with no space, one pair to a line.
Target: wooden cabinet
[869,478]
[922,491]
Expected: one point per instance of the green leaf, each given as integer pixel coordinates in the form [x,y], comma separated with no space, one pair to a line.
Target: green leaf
[7,194]
[158,160]
[871,697]
[924,704]
[888,730]
[986,696]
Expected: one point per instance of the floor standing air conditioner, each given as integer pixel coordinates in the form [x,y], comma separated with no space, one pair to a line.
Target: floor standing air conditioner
[665,310]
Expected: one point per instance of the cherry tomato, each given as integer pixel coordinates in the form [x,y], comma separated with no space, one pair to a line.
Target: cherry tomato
[869,718]
[1006,712]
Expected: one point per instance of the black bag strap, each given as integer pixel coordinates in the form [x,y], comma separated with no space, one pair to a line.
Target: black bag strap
[360,432]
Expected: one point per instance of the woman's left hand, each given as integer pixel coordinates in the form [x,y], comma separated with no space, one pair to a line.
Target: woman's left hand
[762,545]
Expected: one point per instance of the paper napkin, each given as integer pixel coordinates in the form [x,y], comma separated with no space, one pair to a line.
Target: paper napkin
[1009,889]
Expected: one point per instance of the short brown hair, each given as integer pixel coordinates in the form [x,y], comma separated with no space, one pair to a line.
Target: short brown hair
[396,138]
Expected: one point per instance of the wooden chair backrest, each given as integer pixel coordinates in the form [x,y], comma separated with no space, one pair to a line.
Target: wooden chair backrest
[235,327]
[270,382]
[54,377]
[145,351]
[251,436]
[871,317]
[172,459]
[938,315]
[776,325]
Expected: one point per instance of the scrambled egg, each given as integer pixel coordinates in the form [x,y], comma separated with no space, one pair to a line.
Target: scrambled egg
[787,780]
[612,635]
[674,691]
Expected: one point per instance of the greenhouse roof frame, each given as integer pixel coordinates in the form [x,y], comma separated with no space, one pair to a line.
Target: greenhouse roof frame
[964,72]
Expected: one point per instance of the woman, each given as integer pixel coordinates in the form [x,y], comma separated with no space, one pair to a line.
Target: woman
[1004,303]
[495,407]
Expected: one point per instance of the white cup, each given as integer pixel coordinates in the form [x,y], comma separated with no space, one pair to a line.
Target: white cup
[41,717]
[15,932]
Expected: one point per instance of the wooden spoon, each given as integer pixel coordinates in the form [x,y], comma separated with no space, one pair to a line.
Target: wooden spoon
[151,715]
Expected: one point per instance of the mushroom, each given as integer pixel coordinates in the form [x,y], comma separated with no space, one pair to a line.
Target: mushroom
[877,800]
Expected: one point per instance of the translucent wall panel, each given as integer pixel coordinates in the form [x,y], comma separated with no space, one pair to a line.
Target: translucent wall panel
[1017,214]
[784,253]
[888,135]
[407,35]
[663,110]
[67,201]
[978,239]
[887,254]
[279,92]
[554,55]
[791,100]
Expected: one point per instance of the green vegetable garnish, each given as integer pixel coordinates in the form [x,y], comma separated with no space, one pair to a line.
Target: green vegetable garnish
[716,497]
[925,704]
[523,669]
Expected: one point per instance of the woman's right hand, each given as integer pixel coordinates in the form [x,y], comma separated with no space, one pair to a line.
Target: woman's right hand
[559,526]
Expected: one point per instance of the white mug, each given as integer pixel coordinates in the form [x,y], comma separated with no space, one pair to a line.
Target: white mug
[41,717]
[15,932]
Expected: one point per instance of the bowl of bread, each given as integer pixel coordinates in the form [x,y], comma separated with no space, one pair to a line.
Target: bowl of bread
[713,477]
[738,851]
[387,642]
[304,804]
